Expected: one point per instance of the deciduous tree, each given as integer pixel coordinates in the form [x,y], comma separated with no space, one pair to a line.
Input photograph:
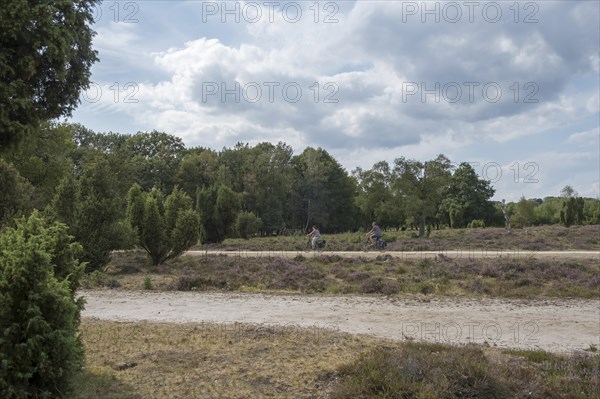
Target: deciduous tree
[467,197]
[421,185]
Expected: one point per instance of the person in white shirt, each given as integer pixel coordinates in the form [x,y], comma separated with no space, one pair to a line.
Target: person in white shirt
[316,236]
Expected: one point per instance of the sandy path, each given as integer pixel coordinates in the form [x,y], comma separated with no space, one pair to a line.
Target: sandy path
[465,254]
[552,325]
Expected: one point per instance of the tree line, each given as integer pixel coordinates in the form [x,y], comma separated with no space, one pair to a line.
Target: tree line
[148,189]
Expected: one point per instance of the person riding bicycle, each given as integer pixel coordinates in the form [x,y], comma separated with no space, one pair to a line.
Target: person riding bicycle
[374,234]
[316,236]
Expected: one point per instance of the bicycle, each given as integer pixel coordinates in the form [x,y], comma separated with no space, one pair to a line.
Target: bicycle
[319,245]
[380,244]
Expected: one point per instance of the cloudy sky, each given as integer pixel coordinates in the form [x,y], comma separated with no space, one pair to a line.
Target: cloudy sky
[511,87]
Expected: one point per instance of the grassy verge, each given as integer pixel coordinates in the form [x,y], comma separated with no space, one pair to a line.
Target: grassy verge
[385,275]
[143,360]
[151,360]
[539,238]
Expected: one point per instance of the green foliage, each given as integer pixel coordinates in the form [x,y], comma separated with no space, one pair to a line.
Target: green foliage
[467,197]
[39,314]
[66,200]
[592,211]
[548,212]
[99,212]
[164,228]
[45,60]
[43,159]
[15,193]
[227,206]
[197,170]
[82,178]
[218,208]
[156,157]
[148,283]
[476,223]
[135,208]
[247,224]
[455,212]
[324,193]
[572,211]
[375,198]
[264,176]
[423,185]
[523,214]
[90,207]
[153,236]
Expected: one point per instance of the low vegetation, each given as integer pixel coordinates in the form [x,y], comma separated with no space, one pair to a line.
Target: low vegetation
[523,277]
[416,370]
[540,238]
[141,360]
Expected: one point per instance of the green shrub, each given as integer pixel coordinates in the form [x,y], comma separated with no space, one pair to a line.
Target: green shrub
[420,371]
[247,224]
[166,228]
[476,223]
[39,315]
[148,283]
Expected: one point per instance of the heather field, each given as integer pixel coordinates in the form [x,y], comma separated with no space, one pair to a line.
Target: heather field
[538,238]
[382,275]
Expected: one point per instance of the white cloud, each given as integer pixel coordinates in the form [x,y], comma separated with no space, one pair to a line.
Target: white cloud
[585,138]
[593,104]
[372,57]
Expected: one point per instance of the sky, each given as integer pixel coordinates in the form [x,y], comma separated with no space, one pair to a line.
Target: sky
[510,87]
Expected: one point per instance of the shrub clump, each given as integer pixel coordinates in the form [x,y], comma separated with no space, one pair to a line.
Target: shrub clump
[40,351]
[420,371]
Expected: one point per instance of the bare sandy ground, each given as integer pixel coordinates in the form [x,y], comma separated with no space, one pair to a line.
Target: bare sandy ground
[552,325]
[458,254]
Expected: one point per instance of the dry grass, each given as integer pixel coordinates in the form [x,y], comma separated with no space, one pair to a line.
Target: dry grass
[150,360]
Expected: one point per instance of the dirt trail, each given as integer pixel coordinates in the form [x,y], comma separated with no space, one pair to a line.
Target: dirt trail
[464,254]
[552,325]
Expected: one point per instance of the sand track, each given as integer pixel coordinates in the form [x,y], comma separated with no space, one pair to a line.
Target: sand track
[556,325]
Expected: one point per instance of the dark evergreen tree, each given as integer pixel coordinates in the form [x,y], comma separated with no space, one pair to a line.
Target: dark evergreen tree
[15,193]
[40,350]
[164,228]
[45,60]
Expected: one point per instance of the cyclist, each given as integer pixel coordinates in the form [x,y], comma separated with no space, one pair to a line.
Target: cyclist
[316,236]
[374,234]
